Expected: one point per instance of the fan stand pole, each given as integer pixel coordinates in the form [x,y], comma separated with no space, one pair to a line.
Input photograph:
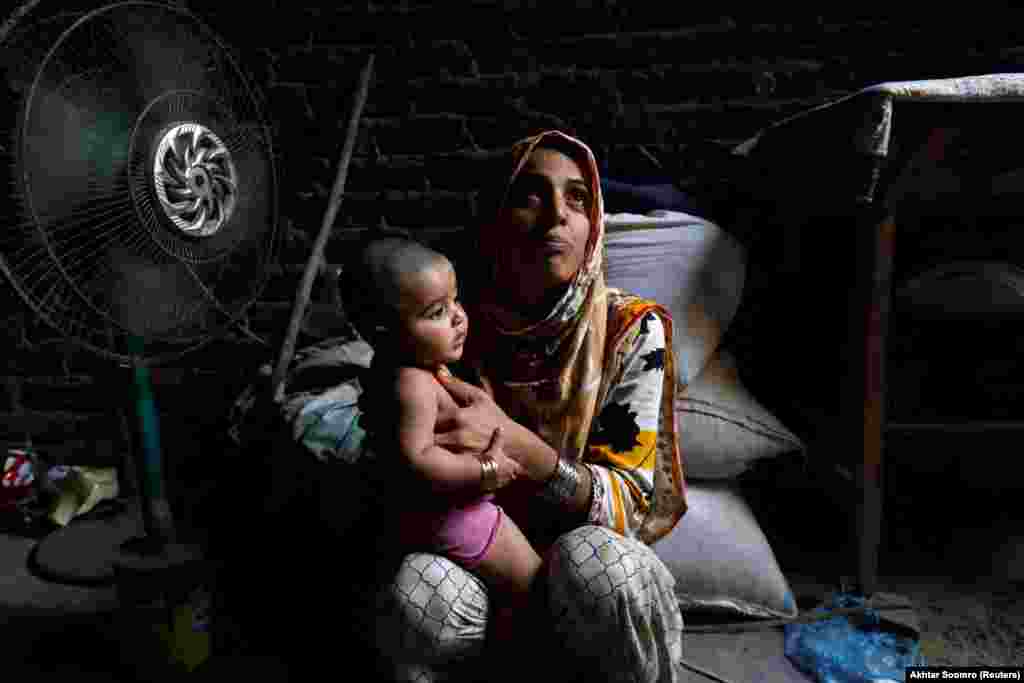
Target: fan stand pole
[316,258]
[113,551]
[157,520]
[153,563]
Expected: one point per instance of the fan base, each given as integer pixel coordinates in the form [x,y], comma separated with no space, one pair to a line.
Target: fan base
[114,551]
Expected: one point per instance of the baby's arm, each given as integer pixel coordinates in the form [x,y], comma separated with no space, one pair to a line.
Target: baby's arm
[445,471]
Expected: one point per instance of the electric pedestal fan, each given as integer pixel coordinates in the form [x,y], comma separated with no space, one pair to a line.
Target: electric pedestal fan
[140,219]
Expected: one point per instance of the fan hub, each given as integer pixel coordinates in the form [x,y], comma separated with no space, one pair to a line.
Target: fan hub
[194,179]
[199,184]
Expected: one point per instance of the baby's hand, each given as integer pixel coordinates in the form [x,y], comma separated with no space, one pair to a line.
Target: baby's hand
[508,469]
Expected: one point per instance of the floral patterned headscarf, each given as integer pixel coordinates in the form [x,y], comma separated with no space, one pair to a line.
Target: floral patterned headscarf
[546,374]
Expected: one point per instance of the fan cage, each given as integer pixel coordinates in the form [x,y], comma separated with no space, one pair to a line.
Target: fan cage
[216,277]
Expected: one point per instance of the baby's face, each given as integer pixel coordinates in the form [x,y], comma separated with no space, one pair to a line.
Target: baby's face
[434,324]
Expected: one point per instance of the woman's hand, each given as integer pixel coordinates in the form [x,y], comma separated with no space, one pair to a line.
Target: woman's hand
[508,469]
[472,426]
[477,416]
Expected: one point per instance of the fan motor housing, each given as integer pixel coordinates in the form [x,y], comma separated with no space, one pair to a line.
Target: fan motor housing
[194,179]
[185,181]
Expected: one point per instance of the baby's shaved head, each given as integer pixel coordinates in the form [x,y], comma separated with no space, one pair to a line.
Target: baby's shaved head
[373,278]
[391,258]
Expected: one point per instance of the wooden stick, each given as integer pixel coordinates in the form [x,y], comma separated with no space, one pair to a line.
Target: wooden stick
[703,672]
[805,618]
[316,258]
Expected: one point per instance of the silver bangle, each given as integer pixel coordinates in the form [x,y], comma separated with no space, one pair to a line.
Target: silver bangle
[561,487]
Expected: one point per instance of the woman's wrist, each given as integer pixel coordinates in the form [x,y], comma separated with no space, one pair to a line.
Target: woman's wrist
[570,487]
[541,462]
[560,488]
[530,451]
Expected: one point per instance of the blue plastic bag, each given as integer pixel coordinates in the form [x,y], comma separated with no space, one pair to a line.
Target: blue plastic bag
[839,651]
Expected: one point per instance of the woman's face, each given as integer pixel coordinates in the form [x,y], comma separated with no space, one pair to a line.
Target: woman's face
[546,225]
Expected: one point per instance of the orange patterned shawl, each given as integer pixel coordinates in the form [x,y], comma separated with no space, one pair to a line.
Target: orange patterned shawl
[552,375]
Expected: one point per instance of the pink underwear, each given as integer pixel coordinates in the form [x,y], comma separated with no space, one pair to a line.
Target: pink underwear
[463,534]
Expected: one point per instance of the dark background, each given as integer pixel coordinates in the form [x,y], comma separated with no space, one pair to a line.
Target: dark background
[655,90]
[660,91]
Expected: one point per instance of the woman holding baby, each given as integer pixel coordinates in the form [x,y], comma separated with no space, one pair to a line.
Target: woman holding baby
[578,381]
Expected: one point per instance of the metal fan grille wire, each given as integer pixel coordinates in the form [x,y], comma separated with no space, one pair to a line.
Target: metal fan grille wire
[98,241]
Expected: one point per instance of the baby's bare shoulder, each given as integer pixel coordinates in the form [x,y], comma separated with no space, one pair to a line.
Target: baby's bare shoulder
[416,385]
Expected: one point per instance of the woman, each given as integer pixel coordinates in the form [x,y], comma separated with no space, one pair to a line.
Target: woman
[581,381]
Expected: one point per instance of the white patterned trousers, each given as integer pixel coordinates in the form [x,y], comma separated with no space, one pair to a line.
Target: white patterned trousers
[609,602]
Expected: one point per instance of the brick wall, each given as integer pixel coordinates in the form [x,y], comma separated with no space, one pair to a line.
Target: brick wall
[451,83]
[649,88]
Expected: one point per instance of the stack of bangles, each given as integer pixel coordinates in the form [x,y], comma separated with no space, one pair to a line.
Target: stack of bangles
[560,488]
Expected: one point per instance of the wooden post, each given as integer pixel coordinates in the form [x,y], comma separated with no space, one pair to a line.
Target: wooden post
[874,348]
[883,239]
[316,258]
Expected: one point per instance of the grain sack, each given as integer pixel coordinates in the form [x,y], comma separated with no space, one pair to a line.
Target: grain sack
[689,265]
[721,559]
[697,271]
[723,430]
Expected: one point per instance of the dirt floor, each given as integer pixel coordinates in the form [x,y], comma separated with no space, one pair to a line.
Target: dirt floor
[972,615]
[982,628]
[968,578]
[952,543]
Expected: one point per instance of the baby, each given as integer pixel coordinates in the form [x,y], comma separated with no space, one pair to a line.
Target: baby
[403,300]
